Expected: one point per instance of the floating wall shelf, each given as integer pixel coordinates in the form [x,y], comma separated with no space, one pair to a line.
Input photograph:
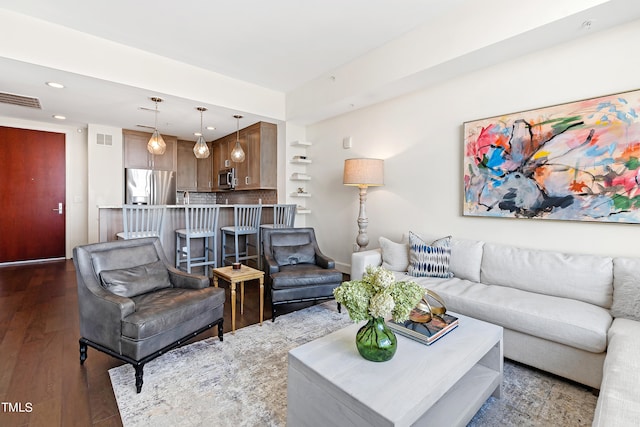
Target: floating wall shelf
[301,144]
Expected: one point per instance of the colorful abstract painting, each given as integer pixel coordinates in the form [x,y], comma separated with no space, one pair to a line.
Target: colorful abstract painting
[577,161]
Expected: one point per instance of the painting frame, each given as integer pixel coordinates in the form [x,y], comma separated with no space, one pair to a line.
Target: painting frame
[577,161]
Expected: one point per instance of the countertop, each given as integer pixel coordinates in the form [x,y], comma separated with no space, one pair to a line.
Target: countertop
[178,206]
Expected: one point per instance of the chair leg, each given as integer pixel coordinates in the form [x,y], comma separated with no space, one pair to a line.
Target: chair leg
[188,243]
[206,256]
[177,251]
[223,245]
[215,251]
[235,239]
[139,374]
[220,330]
[83,352]
[259,248]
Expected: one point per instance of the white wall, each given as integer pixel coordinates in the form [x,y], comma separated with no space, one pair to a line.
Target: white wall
[76,173]
[420,137]
[105,175]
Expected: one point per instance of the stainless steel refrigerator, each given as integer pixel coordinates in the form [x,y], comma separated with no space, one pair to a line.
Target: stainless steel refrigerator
[150,187]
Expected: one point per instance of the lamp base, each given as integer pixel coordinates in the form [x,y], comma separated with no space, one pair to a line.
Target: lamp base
[363,222]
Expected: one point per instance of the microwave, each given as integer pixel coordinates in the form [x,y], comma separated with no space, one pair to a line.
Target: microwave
[226,179]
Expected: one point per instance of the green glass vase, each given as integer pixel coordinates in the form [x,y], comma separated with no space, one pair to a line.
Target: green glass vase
[375,341]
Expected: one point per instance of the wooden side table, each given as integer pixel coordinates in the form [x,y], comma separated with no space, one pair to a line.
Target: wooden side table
[239,276]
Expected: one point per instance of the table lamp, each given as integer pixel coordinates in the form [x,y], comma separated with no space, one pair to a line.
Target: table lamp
[363,173]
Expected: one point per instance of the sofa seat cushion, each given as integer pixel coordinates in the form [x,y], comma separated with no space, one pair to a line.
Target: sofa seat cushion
[566,321]
[162,311]
[619,400]
[304,275]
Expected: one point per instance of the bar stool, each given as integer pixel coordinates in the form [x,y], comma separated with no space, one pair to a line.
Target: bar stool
[201,222]
[284,216]
[246,220]
[142,221]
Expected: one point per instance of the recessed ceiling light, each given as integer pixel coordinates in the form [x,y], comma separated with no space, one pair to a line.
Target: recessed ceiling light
[59,117]
[210,128]
[197,134]
[55,85]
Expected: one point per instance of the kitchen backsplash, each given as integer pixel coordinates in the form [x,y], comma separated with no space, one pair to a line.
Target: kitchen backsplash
[267,197]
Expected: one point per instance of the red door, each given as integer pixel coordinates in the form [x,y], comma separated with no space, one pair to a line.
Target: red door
[32,194]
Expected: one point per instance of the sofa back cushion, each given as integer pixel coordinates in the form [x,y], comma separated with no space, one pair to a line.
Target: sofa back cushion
[466,258]
[116,258]
[290,238]
[466,255]
[138,280]
[294,254]
[587,278]
[626,288]
[395,256]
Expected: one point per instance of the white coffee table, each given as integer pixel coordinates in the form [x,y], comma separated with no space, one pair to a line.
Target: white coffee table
[444,384]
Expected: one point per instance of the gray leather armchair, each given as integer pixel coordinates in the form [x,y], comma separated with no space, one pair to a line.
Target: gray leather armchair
[135,306]
[295,267]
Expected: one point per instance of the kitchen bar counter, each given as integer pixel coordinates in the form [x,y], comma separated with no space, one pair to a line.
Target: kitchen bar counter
[110,223]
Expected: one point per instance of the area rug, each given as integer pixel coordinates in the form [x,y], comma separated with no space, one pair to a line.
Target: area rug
[242,381]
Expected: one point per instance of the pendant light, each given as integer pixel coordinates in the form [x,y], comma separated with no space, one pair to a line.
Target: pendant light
[201,150]
[156,144]
[237,154]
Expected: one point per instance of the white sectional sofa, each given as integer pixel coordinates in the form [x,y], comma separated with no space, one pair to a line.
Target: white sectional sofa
[555,308]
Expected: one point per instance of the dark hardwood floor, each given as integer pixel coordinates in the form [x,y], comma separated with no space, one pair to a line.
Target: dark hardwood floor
[41,380]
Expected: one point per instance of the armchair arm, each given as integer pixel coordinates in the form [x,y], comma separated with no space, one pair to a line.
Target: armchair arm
[324,261]
[101,312]
[361,260]
[271,266]
[180,279]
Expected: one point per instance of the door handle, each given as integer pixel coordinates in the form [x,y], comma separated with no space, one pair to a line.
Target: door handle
[58,209]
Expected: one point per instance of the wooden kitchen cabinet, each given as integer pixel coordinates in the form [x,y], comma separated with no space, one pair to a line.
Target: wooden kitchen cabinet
[193,174]
[221,157]
[259,169]
[204,171]
[187,175]
[136,155]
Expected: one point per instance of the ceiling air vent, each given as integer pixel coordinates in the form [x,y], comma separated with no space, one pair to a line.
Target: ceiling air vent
[20,100]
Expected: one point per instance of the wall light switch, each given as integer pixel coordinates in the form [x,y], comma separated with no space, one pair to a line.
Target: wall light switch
[347,142]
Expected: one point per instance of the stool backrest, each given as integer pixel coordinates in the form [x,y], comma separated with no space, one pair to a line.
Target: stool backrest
[201,218]
[284,215]
[143,220]
[247,216]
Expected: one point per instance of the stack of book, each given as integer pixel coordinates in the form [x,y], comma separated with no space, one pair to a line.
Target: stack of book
[425,332]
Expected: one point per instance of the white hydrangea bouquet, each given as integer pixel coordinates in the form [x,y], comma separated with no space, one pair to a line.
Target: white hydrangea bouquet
[378,295]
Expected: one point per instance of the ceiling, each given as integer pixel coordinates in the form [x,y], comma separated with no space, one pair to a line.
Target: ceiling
[275,44]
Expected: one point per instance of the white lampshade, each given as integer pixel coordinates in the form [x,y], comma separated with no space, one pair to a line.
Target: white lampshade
[363,172]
